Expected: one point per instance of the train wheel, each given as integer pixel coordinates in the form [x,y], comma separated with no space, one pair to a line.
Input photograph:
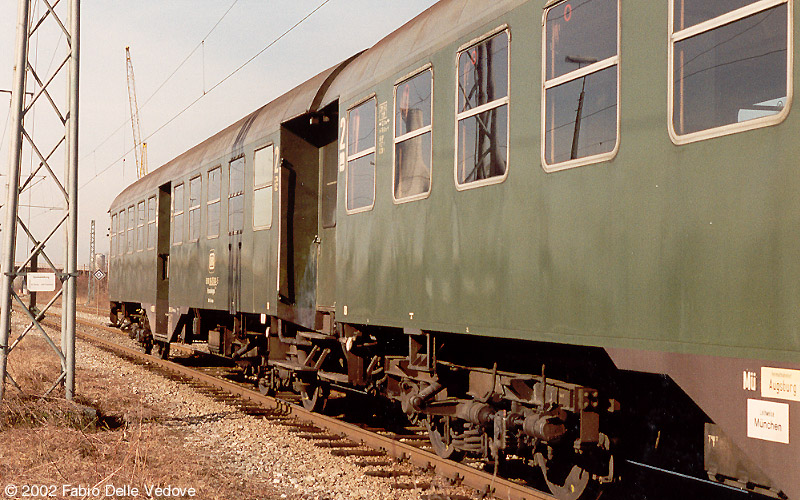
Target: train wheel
[162,349]
[568,481]
[314,396]
[440,437]
[267,383]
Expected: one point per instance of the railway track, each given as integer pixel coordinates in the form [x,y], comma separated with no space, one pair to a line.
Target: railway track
[344,438]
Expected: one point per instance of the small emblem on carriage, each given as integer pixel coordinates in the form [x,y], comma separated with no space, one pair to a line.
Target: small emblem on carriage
[212,260]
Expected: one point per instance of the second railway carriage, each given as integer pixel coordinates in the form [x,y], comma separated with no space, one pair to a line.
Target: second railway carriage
[563,232]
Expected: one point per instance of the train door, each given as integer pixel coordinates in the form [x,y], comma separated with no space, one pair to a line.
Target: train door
[235,227]
[163,247]
[308,143]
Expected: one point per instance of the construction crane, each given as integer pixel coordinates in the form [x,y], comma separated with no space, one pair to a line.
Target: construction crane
[139,147]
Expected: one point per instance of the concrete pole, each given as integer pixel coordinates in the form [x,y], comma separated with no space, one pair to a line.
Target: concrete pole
[72,189]
[12,199]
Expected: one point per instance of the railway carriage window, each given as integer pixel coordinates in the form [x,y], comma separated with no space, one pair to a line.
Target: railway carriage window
[361,156]
[195,188]
[131,227]
[113,235]
[579,104]
[140,227]
[262,187]
[730,66]
[213,196]
[236,196]
[121,245]
[482,115]
[412,136]
[152,229]
[177,214]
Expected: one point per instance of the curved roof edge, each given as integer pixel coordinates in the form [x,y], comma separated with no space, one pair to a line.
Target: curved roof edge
[231,140]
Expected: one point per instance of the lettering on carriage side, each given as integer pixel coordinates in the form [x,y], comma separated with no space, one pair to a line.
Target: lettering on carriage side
[768,421]
[383,125]
[749,381]
[780,383]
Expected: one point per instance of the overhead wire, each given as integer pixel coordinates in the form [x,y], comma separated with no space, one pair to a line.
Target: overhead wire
[167,79]
[186,108]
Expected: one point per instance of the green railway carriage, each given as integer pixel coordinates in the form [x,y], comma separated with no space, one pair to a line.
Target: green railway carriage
[573,224]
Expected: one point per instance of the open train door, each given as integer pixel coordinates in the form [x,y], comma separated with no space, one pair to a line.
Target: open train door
[308,156]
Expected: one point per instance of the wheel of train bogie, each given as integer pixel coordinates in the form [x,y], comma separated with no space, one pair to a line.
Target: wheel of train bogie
[147,345]
[568,481]
[314,395]
[162,349]
[441,438]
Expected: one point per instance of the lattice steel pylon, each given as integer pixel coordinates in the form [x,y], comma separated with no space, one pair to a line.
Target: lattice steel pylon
[24,139]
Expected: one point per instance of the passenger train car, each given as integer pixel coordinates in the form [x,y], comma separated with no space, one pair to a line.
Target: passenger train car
[564,232]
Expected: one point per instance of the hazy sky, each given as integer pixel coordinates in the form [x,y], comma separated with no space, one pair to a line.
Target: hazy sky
[161,35]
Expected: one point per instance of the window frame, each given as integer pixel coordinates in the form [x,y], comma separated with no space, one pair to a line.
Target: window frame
[411,135]
[141,224]
[211,201]
[267,185]
[182,186]
[152,225]
[122,235]
[585,71]
[195,208]
[348,158]
[506,100]
[729,17]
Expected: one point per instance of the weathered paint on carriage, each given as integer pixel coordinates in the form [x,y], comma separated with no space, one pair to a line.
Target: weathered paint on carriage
[675,259]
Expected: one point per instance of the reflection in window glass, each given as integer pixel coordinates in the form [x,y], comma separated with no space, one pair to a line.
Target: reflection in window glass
[361,128]
[140,227]
[691,12]
[262,192]
[152,229]
[361,156]
[177,214]
[482,148]
[412,151]
[213,196]
[580,105]
[483,73]
[732,73]
[236,196]
[483,145]
[597,128]
[131,227]
[361,182]
[579,31]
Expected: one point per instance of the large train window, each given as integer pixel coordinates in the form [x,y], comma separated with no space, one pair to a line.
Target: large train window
[580,115]
[413,106]
[195,190]
[113,235]
[361,156]
[213,196]
[482,114]
[131,227]
[177,214]
[236,196]
[729,65]
[262,187]
[140,227]
[152,230]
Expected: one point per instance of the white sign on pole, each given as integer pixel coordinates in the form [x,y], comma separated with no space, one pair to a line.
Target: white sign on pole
[41,282]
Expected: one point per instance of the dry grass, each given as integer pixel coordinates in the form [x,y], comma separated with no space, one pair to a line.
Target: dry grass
[48,442]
